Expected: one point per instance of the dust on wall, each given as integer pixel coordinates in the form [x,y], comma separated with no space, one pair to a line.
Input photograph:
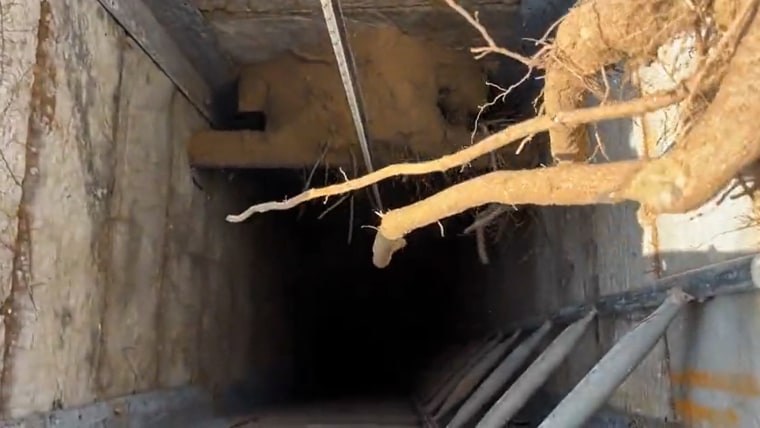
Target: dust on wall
[117,274]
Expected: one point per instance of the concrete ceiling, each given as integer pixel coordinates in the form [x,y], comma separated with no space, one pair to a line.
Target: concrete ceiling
[255,30]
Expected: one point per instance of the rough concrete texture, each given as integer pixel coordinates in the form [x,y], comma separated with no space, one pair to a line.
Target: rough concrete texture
[126,277]
[16,61]
[256,30]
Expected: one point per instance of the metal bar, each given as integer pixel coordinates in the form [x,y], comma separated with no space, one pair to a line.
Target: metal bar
[739,275]
[475,375]
[500,376]
[347,66]
[535,375]
[596,387]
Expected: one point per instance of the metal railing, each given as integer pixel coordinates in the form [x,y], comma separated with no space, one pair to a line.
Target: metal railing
[664,298]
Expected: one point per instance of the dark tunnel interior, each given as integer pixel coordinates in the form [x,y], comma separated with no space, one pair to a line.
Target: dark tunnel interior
[360,331]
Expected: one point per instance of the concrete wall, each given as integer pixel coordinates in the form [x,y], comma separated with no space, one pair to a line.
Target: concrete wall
[117,273]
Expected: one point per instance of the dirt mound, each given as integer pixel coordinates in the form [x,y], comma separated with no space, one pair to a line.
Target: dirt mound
[419,97]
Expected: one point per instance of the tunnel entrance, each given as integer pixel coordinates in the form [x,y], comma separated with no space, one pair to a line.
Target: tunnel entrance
[354,329]
[341,329]
[349,331]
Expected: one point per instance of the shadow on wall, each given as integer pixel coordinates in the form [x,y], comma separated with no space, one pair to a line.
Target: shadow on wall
[352,329]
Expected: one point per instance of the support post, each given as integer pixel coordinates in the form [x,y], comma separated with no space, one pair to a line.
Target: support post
[535,375]
[596,387]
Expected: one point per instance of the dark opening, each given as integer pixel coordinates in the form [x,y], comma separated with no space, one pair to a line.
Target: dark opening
[226,115]
[359,331]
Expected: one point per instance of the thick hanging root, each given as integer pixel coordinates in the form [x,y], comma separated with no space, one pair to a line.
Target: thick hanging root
[712,152]
[724,141]
[715,149]
[571,184]
[595,34]
[509,135]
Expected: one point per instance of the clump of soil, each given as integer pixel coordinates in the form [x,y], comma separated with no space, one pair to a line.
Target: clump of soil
[420,98]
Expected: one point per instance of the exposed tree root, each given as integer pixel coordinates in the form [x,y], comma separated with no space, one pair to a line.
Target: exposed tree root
[485,218]
[491,47]
[480,241]
[713,152]
[509,135]
[571,184]
[595,34]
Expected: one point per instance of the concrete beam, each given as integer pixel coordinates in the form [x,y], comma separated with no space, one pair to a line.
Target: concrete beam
[255,149]
[173,34]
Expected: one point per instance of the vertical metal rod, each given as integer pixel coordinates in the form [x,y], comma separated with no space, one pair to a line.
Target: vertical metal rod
[347,67]
[535,375]
[475,375]
[596,387]
[499,377]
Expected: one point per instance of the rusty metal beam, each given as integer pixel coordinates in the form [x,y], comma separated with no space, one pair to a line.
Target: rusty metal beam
[174,35]
[739,275]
